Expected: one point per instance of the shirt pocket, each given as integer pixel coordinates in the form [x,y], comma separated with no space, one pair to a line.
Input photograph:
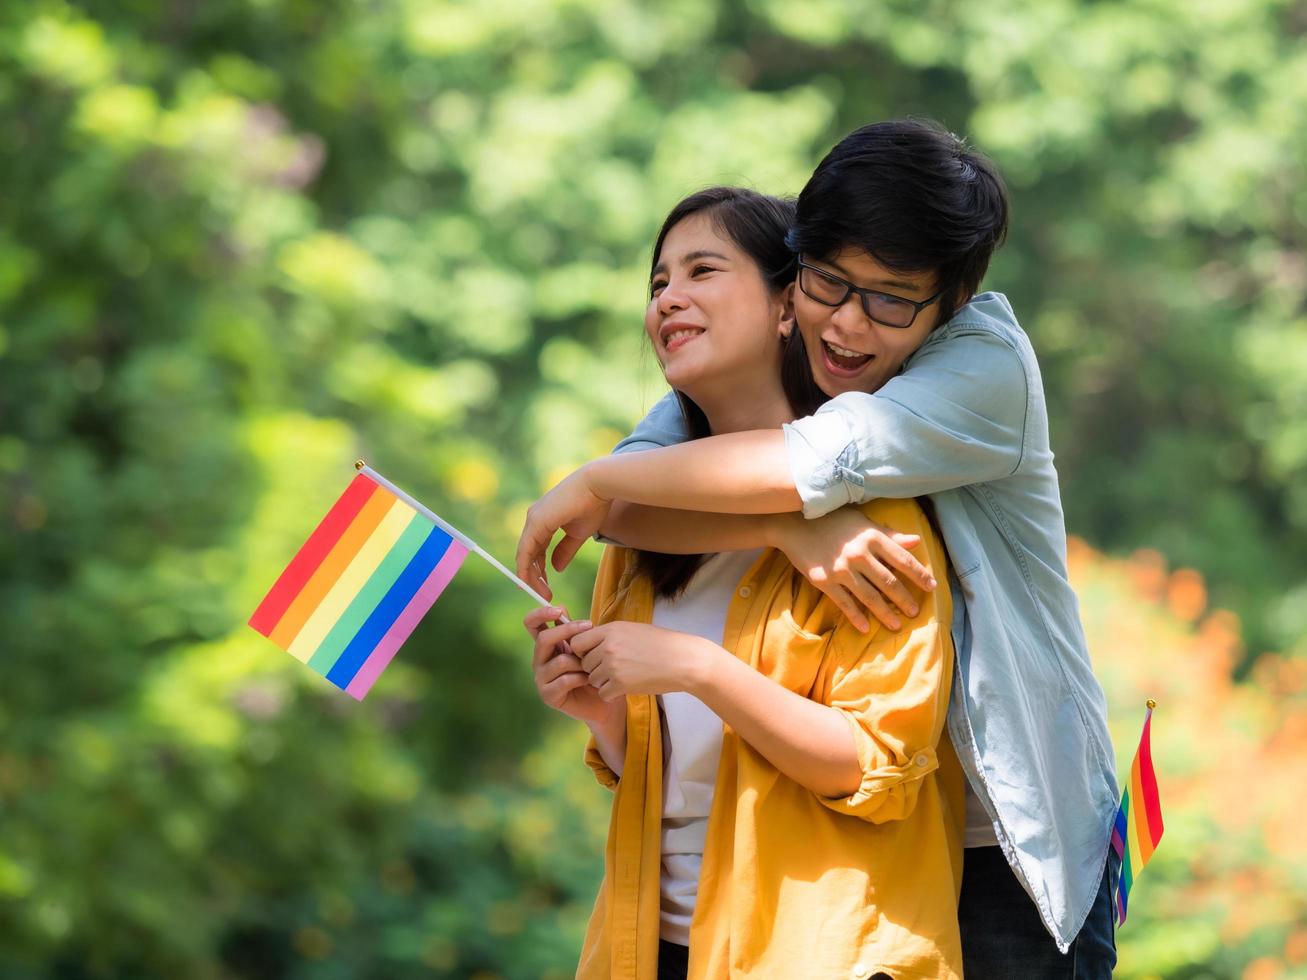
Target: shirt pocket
[790,655]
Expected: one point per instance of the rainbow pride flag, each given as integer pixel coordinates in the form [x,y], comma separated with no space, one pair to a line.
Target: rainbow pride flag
[357,588]
[1138,826]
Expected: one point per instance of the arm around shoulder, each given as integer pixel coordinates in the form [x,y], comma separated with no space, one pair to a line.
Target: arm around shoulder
[955,416]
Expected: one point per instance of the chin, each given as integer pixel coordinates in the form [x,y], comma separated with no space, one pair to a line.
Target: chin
[684,381]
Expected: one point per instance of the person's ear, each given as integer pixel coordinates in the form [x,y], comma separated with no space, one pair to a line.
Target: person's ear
[787,321]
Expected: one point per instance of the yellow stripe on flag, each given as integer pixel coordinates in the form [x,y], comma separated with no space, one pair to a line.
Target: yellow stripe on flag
[1139,818]
[351,580]
[1132,826]
[341,554]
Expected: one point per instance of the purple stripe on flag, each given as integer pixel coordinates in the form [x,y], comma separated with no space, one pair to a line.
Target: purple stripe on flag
[407,621]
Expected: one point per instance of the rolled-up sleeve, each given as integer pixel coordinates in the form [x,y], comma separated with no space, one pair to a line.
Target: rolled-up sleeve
[955,416]
[595,760]
[893,688]
[894,695]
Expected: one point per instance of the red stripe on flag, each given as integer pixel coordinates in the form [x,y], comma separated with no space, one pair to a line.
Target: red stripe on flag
[1152,804]
[309,557]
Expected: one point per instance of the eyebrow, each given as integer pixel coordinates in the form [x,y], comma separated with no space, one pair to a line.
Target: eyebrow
[691,257]
[889,283]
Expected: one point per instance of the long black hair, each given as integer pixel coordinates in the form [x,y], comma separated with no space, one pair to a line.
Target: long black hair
[757,224]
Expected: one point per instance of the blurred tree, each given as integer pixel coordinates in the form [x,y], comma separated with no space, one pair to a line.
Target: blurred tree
[242,243]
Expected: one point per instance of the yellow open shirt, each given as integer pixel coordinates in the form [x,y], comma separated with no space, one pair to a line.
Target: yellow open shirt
[793,885]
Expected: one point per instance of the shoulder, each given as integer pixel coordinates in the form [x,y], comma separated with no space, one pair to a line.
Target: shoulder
[909,515]
[906,515]
[986,327]
[815,613]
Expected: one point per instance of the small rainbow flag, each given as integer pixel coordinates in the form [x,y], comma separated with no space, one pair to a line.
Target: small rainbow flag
[362,581]
[1138,826]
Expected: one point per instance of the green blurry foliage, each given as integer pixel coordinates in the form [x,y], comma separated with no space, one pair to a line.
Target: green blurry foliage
[242,243]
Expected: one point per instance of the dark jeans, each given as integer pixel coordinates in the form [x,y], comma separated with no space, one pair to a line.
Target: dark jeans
[1004,939]
[673,960]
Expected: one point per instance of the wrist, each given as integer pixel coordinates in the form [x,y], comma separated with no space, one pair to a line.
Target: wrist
[779,530]
[703,668]
[595,477]
[611,729]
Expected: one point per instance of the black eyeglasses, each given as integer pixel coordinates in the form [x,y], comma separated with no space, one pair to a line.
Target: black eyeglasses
[830,290]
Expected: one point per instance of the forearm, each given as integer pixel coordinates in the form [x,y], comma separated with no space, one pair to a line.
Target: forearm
[739,473]
[692,532]
[810,743]
[611,742]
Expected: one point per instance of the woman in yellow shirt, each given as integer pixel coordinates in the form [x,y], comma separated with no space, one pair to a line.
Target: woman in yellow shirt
[825,839]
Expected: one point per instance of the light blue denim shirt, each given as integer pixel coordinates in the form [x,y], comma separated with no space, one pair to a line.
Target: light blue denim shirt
[965,424]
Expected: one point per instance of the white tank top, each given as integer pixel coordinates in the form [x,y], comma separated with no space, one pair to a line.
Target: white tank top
[692,741]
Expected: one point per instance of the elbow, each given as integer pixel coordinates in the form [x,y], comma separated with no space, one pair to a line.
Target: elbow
[888,785]
[882,806]
[842,776]
[842,782]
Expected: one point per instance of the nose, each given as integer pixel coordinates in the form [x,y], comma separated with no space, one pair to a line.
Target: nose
[850,318]
[672,299]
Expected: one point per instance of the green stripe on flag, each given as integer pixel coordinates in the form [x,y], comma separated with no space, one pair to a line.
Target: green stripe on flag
[373,591]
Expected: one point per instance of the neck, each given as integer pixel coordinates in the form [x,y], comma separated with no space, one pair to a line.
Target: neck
[742,409]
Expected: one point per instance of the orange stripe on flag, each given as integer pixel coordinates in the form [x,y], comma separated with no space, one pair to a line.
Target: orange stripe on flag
[1139,818]
[337,560]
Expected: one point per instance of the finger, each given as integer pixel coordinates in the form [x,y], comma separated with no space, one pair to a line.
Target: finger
[530,559]
[557,666]
[587,641]
[876,605]
[610,691]
[871,574]
[556,691]
[591,662]
[897,556]
[537,619]
[848,605]
[548,641]
[540,583]
[565,551]
[562,633]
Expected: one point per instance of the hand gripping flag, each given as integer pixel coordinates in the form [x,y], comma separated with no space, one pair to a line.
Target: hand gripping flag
[1138,826]
[363,580]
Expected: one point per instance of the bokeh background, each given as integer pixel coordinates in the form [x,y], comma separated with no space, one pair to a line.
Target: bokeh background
[243,242]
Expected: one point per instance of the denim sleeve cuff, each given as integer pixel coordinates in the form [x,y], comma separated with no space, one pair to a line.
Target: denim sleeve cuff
[822,455]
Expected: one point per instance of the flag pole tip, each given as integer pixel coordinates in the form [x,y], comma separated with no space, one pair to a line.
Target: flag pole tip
[1151,704]
[359,464]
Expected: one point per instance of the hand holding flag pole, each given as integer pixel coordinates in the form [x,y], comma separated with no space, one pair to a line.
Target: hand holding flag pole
[452,531]
[363,580]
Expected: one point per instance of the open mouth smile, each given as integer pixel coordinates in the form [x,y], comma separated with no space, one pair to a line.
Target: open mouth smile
[842,362]
[675,336]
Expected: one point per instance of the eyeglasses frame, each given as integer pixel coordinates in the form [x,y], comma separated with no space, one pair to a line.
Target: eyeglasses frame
[862,293]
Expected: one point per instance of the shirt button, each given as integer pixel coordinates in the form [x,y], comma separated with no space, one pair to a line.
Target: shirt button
[861,972]
[745,592]
[922,760]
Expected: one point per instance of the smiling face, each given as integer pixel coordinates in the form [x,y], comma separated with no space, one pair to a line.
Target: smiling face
[847,350]
[715,324]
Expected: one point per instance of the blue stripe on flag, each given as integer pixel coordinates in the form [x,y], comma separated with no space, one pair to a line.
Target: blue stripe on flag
[388,609]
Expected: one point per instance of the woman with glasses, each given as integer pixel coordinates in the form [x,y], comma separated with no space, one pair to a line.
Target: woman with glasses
[786,803]
[932,391]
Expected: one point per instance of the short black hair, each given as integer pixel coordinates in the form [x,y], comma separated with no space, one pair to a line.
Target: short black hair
[914,197]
